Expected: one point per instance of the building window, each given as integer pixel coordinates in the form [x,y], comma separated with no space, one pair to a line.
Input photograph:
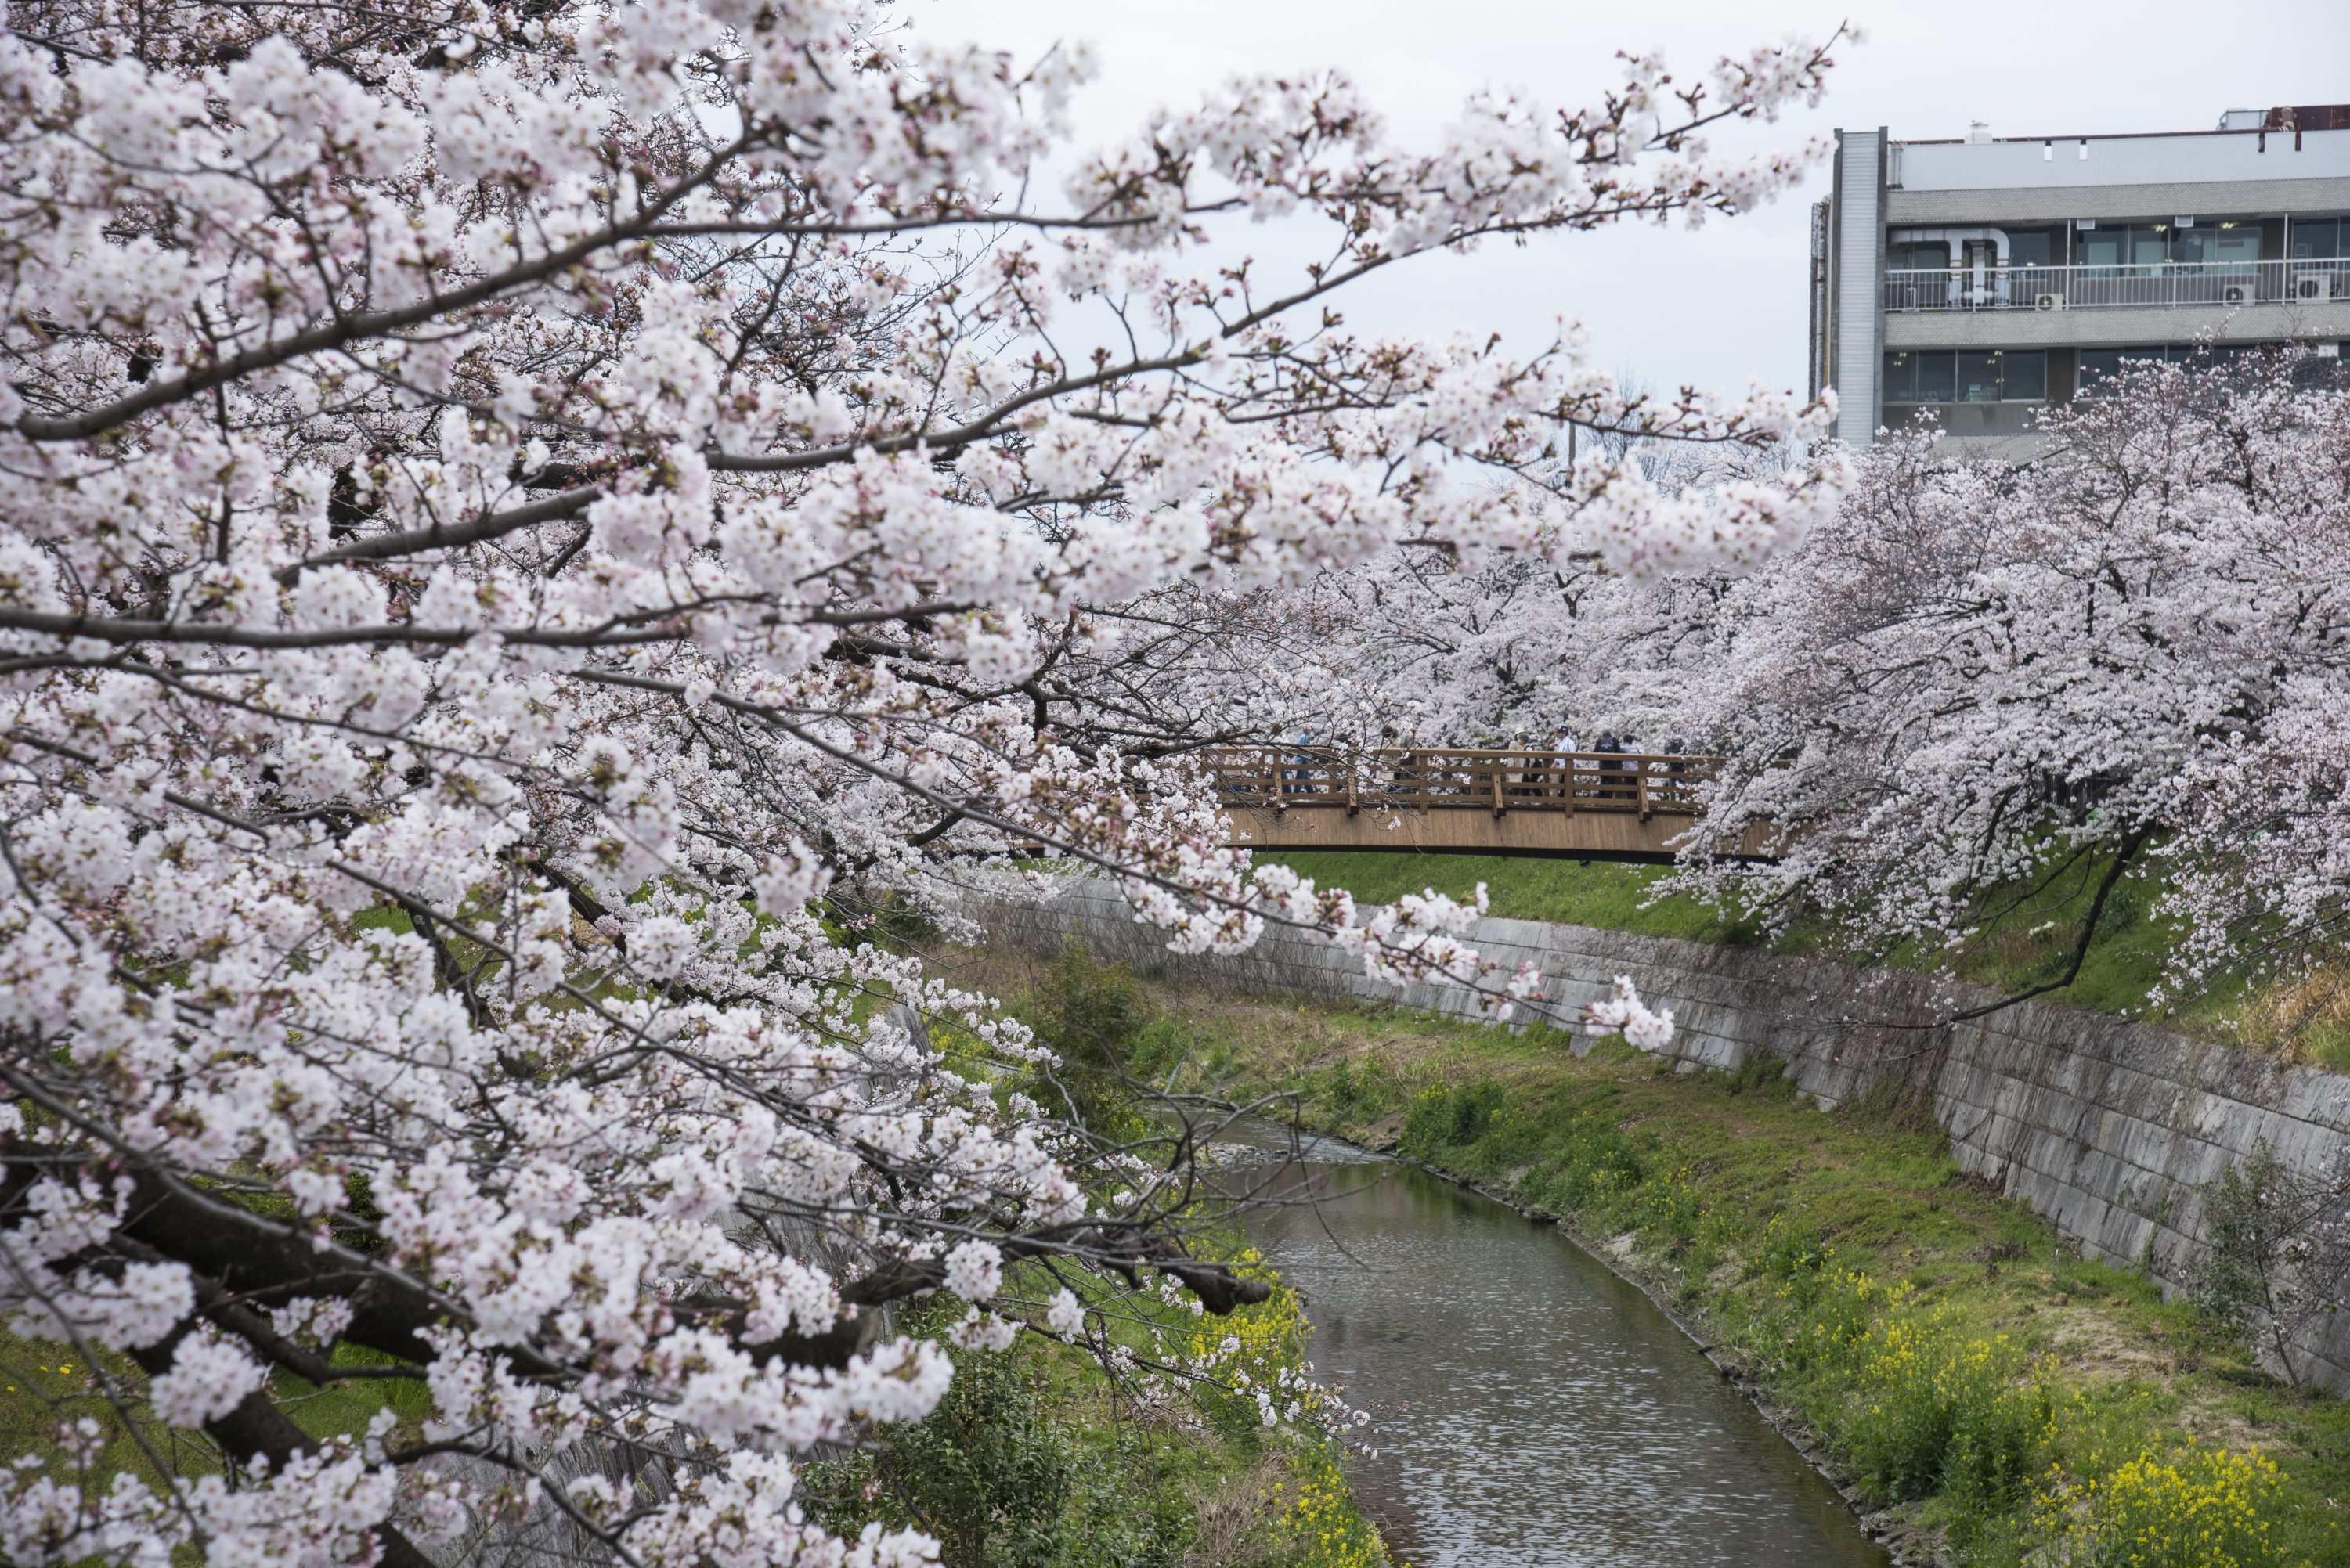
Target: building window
[1929,254]
[1978,376]
[2099,366]
[2125,244]
[1937,378]
[2033,247]
[2318,239]
[2230,241]
[2323,368]
[1967,376]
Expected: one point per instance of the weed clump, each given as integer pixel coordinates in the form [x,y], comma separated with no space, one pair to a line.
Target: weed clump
[2193,1508]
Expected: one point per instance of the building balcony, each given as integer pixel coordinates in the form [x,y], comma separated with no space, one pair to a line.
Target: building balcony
[2152,285]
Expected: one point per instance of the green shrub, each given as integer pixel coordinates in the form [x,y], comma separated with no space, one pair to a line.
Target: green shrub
[1934,1410]
[1600,1166]
[1795,1255]
[2196,1507]
[1095,1018]
[1762,1075]
[2278,1255]
[1450,1119]
[989,1473]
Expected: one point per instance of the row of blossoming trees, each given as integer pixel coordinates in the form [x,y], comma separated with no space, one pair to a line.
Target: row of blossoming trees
[1983,690]
[503,508]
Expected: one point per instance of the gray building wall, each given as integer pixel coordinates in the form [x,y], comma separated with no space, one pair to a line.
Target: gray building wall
[1859,260]
[2118,327]
[2194,158]
[2054,204]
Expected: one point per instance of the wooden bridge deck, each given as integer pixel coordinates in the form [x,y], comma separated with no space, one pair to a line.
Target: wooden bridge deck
[1582,806]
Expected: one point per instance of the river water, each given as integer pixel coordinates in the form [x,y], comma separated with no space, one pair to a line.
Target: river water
[1532,1409]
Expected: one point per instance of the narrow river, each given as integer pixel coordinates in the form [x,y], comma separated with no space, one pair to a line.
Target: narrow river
[1533,1408]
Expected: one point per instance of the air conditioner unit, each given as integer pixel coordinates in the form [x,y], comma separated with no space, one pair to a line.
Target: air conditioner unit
[2314,288]
[2049,301]
[2238,293]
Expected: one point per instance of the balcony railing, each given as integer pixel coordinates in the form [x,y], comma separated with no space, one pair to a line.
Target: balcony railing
[2158,284]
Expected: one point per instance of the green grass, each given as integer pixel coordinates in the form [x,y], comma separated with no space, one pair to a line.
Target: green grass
[1983,1382]
[2028,947]
[1576,892]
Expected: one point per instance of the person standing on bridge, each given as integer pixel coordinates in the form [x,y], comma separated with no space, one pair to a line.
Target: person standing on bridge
[1562,763]
[1608,746]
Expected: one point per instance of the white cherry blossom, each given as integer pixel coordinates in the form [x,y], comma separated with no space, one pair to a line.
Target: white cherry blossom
[531,544]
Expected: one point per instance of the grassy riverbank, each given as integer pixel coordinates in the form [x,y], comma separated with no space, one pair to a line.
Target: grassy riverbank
[1035,1461]
[1996,1398]
[2306,1019]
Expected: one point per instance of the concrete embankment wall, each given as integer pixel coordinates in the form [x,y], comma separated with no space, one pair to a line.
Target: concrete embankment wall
[2107,1127]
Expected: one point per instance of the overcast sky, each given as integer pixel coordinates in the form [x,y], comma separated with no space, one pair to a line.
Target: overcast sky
[1725,303]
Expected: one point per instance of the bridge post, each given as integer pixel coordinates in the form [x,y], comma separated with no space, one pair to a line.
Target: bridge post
[1353,806]
[1495,770]
[1280,802]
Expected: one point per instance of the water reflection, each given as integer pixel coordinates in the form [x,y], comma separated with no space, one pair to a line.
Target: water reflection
[1535,1409]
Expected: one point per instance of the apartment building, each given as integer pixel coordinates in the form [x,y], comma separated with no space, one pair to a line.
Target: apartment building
[1988,277]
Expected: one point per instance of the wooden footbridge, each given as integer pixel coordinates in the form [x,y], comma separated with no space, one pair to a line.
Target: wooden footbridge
[1582,806]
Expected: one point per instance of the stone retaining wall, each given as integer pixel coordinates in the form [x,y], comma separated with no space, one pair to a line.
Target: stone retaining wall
[2107,1127]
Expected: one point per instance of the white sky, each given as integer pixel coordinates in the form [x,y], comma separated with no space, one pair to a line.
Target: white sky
[1725,303]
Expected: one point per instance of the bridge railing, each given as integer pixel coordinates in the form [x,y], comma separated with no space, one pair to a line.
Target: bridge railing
[1281,778]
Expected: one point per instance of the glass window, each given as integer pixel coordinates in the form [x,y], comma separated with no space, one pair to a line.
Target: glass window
[1978,376]
[2316,372]
[2103,364]
[2128,244]
[1967,376]
[2030,247]
[1900,380]
[1937,375]
[1930,254]
[2316,239]
[2233,240]
[2024,376]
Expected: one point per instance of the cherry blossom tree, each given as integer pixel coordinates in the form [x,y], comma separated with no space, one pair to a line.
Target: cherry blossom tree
[1985,687]
[503,509]
[1981,690]
[1421,645]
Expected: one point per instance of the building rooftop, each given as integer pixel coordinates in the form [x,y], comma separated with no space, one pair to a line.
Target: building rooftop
[2234,121]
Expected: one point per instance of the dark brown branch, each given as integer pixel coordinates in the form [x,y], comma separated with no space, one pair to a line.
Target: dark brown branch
[2122,859]
[346,329]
